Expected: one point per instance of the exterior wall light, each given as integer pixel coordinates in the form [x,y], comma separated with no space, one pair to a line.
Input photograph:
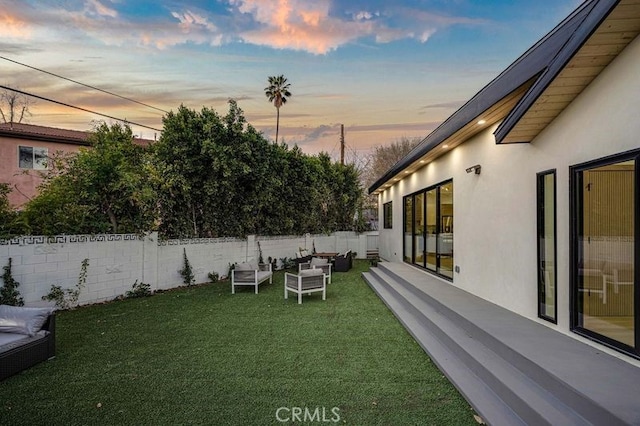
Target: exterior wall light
[475,169]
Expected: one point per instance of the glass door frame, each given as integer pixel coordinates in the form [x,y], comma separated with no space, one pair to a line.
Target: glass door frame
[575,205]
[410,257]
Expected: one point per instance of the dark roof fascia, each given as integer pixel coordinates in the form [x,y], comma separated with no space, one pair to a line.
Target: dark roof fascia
[529,65]
[597,14]
[42,138]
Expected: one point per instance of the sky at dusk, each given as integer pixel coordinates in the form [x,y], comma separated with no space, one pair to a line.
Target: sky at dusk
[385,69]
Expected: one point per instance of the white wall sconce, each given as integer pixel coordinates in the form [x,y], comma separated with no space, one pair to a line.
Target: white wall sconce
[475,169]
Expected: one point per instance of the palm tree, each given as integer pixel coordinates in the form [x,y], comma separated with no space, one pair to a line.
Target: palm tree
[277,92]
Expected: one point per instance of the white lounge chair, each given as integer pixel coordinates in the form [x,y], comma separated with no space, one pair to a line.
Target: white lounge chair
[307,281]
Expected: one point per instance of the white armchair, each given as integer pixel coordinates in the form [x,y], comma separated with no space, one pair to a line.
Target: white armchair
[307,281]
[317,263]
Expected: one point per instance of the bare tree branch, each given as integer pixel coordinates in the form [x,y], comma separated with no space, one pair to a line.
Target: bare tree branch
[14,104]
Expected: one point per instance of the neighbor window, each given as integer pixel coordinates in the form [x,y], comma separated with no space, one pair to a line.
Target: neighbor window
[604,224]
[547,293]
[387,212]
[428,219]
[32,158]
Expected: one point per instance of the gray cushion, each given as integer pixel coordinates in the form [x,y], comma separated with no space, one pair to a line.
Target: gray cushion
[10,341]
[20,320]
[317,261]
[263,275]
[310,272]
[245,267]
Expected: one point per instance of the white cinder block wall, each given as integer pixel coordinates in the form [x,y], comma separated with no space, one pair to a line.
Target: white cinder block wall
[118,261]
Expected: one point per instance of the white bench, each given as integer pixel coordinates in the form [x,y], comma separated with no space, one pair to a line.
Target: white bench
[250,274]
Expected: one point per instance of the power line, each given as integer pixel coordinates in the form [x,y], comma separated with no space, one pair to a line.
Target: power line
[85,85]
[77,107]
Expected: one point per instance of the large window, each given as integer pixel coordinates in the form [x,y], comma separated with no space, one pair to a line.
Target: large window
[547,293]
[605,199]
[32,158]
[387,213]
[428,231]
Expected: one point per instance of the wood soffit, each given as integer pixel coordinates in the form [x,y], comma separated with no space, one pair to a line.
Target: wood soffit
[617,31]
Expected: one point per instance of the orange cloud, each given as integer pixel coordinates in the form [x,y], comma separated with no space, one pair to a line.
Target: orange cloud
[299,25]
[13,27]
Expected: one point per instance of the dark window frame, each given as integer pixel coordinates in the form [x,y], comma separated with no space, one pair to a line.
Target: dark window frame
[576,201]
[540,212]
[34,163]
[387,215]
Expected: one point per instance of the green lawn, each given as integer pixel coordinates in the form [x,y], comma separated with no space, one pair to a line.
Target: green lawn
[201,355]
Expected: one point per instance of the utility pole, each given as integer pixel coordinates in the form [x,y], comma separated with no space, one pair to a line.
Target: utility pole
[342,144]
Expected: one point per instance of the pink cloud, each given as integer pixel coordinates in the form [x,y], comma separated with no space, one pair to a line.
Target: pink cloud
[94,6]
[299,25]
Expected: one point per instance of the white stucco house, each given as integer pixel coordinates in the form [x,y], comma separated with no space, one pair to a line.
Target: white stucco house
[528,196]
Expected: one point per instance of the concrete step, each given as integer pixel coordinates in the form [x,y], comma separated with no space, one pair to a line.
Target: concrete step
[481,397]
[530,368]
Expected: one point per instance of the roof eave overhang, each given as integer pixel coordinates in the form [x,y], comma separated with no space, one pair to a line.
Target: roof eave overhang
[573,32]
[599,12]
[42,138]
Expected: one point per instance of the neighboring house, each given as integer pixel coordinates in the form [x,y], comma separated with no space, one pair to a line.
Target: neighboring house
[25,149]
[529,195]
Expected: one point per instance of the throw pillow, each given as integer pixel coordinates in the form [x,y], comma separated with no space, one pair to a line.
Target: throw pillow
[20,320]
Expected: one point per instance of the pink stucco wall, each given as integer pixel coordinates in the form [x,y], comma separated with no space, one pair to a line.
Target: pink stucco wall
[24,181]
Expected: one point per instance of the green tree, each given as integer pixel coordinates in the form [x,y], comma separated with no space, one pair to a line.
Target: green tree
[11,223]
[213,174]
[277,92]
[101,189]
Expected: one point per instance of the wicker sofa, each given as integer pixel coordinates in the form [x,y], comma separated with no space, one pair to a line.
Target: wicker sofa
[24,344]
[343,262]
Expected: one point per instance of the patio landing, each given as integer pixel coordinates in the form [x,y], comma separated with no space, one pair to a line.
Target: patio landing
[512,370]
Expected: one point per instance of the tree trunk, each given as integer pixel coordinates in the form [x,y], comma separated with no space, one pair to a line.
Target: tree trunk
[113,220]
[277,123]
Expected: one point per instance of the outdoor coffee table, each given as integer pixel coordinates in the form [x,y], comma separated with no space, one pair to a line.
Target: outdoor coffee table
[326,255]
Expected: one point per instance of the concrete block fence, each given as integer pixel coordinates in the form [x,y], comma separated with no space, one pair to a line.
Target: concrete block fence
[117,261]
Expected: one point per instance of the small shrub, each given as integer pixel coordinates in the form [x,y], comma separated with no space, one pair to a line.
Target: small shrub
[186,272]
[213,277]
[287,263]
[9,294]
[138,290]
[260,259]
[68,298]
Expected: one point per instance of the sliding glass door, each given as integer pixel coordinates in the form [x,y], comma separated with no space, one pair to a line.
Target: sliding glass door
[408,228]
[428,233]
[604,277]
[432,230]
